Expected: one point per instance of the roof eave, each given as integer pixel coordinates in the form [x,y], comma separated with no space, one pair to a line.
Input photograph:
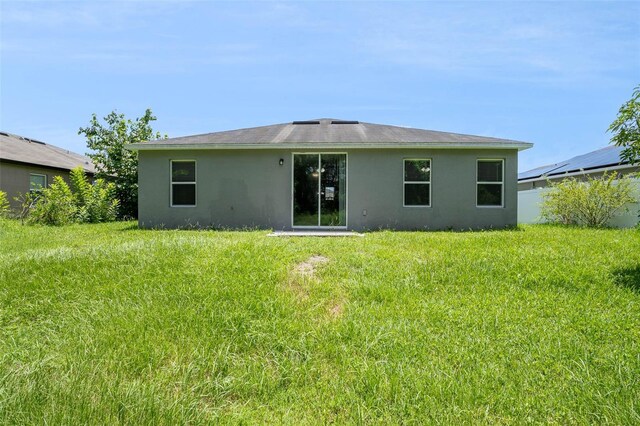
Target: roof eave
[45,165]
[520,146]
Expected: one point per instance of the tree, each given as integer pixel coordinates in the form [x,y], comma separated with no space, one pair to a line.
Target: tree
[626,128]
[113,161]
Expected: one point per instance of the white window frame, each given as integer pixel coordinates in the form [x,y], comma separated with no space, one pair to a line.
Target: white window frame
[43,186]
[194,183]
[405,182]
[501,183]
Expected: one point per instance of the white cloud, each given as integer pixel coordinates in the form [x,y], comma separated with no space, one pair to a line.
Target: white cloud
[106,15]
[562,45]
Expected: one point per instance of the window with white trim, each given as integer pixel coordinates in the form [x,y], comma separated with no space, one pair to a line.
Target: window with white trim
[37,182]
[490,183]
[417,182]
[183,183]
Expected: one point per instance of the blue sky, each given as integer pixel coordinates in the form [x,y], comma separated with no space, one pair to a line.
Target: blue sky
[553,74]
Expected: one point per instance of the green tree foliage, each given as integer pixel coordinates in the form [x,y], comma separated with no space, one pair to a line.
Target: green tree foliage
[591,203]
[626,128]
[82,202]
[4,204]
[112,160]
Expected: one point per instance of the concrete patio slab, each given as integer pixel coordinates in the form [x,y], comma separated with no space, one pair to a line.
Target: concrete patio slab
[315,234]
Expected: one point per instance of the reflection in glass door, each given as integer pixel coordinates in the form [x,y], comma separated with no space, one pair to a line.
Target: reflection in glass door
[319,190]
[305,190]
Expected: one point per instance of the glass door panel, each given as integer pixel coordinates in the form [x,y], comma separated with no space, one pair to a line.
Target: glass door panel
[332,189]
[305,190]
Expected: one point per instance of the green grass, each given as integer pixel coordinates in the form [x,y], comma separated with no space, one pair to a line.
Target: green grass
[104,324]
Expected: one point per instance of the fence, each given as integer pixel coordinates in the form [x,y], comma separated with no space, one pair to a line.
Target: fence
[529,208]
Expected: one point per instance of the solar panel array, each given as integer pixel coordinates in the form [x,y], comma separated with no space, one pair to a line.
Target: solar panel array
[605,157]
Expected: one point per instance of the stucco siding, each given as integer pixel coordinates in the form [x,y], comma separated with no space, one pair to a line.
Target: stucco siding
[234,189]
[14,179]
[376,185]
[249,188]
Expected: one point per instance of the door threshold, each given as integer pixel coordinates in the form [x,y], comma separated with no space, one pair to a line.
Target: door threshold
[315,233]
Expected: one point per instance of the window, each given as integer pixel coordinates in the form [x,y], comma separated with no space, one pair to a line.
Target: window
[417,183]
[37,182]
[183,183]
[490,183]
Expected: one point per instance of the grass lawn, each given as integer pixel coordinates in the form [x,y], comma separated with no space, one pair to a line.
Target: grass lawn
[103,324]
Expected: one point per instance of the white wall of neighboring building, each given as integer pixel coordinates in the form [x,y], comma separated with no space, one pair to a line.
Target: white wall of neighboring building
[529,208]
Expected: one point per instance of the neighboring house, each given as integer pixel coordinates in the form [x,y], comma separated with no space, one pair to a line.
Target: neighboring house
[329,174]
[533,184]
[27,164]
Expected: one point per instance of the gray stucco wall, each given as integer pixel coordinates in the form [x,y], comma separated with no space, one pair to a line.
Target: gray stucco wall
[14,179]
[248,188]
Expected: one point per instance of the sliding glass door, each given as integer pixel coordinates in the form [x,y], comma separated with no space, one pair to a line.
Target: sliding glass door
[320,190]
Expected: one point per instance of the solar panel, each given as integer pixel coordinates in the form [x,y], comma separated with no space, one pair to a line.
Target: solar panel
[34,141]
[609,156]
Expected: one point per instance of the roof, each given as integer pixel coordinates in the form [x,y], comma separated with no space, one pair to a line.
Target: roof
[329,133]
[30,151]
[601,158]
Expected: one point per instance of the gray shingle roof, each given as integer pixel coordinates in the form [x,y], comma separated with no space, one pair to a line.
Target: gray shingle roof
[604,157]
[327,132]
[31,151]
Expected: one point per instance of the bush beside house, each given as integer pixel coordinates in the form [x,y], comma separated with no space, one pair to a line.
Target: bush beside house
[593,202]
[63,204]
[4,204]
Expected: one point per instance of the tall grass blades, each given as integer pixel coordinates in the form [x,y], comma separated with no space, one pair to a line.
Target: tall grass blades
[103,324]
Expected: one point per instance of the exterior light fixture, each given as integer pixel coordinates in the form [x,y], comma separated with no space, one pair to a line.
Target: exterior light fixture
[281,162]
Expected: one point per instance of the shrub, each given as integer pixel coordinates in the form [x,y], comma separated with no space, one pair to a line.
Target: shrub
[4,204]
[54,205]
[95,203]
[591,203]
[61,204]
[27,201]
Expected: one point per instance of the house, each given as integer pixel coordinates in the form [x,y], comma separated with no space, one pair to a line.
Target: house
[534,183]
[28,164]
[329,174]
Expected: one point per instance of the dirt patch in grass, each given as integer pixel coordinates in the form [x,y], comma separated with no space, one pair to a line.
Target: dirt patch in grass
[336,310]
[301,273]
[308,267]
[302,279]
